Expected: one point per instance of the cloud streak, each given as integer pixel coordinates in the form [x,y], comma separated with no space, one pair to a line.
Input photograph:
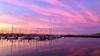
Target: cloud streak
[60,15]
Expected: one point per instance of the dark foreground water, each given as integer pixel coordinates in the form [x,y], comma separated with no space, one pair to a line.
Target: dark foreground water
[58,47]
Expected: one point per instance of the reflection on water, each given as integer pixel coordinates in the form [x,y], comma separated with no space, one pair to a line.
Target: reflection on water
[57,47]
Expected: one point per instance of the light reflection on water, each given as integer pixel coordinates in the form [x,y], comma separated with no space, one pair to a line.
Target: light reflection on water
[57,47]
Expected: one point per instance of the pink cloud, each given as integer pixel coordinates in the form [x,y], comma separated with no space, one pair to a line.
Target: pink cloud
[45,11]
[66,6]
[27,21]
[88,13]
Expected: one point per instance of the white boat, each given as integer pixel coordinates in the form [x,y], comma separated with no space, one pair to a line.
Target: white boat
[21,38]
[36,37]
[2,37]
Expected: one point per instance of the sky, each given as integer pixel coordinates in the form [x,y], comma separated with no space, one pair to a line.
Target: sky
[53,16]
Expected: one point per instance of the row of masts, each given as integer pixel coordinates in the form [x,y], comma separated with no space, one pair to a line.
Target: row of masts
[26,30]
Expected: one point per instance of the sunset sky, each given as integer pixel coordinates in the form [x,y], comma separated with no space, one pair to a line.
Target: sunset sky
[58,16]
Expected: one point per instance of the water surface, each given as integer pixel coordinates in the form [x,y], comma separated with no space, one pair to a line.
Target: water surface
[59,47]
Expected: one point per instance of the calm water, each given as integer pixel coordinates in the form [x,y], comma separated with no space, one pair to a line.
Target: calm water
[57,47]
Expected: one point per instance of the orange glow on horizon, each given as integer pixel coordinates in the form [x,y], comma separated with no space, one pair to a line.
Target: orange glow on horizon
[4,28]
